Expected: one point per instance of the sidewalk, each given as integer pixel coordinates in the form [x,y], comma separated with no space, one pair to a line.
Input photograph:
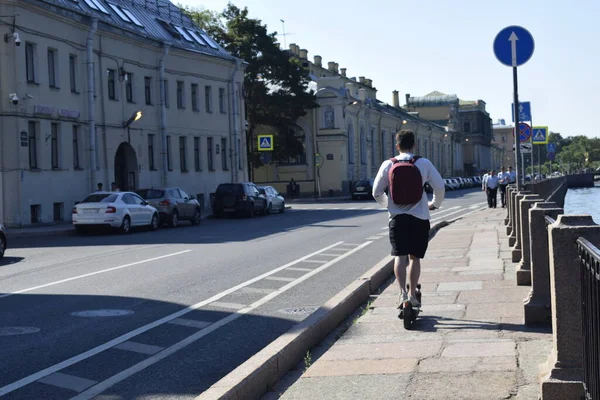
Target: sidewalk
[469,342]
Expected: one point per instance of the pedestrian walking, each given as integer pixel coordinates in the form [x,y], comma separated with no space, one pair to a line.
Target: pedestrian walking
[503,181]
[490,186]
[512,175]
[404,178]
[114,188]
[100,186]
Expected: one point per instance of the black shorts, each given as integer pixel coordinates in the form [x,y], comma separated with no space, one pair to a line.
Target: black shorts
[409,235]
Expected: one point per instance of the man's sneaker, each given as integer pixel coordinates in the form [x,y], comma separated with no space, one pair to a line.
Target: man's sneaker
[401,299]
[415,303]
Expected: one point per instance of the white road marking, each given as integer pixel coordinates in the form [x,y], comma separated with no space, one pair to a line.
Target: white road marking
[93,273]
[98,349]
[66,381]
[139,348]
[329,254]
[256,290]
[299,269]
[374,237]
[280,278]
[222,304]
[316,261]
[102,386]
[192,323]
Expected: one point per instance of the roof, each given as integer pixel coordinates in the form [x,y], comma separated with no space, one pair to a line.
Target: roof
[158,20]
[434,98]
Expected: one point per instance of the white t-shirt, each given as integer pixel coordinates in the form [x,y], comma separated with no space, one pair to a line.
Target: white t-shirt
[428,173]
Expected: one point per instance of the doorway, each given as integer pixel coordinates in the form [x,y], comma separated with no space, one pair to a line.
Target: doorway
[126,168]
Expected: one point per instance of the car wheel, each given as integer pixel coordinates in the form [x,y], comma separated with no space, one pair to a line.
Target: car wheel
[174,219]
[197,217]
[2,245]
[269,209]
[251,211]
[126,225]
[80,230]
[282,208]
[155,222]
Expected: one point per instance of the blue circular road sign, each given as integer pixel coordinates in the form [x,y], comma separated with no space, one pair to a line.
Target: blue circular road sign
[513,46]
[524,132]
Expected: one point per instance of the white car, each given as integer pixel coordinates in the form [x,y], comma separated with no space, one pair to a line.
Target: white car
[121,210]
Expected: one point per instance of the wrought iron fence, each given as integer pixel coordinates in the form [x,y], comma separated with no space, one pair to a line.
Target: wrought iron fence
[589,258]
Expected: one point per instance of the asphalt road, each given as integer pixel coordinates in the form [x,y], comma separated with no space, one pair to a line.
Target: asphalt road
[166,314]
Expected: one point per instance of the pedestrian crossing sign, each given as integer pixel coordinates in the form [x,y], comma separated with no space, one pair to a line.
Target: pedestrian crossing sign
[265,142]
[540,135]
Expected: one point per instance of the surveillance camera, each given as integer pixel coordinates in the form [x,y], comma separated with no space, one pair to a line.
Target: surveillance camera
[16,38]
[14,99]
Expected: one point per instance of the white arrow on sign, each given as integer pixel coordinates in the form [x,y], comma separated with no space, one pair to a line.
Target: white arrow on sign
[513,47]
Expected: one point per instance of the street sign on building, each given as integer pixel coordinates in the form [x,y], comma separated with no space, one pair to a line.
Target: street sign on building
[526,148]
[265,142]
[540,135]
[513,46]
[524,111]
[524,132]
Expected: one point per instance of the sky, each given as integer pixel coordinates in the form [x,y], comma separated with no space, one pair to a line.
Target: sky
[417,47]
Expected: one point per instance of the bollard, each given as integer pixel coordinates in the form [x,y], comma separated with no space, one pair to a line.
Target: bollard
[537,304]
[511,218]
[516,252]
[509,190]
[563,372]
[524,266]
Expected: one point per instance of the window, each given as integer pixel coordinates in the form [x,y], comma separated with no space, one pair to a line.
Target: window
[182,158]
[54,144]
[30,62]
[59,210]
[196,37]
[195,97]
[467,127]
[151,165]
[52,81]
[36,213]
[112,92]
[169,167]
[208,98]
[209,40]
[33,162]
[129,87]
[148,90]
[209,153]
[222,100]
[125,14]
[184,33]
[96,5]
[76,163]
[166,86]
[180,94]
[197,154]
[132,17]
[73,72]
[224,153]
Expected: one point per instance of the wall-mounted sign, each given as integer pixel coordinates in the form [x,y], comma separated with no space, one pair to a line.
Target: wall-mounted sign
[24,139]
[39,109]
[68,113]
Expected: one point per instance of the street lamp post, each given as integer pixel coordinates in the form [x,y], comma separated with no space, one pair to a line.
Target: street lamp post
[135,117]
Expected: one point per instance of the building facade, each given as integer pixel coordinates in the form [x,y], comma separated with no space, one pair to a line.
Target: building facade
[477,130]
[505,140]
[349,135]
[120,91]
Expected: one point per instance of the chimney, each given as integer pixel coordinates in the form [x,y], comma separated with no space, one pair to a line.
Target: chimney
[318,61]
[369,82]
[337,68]
[396,99]
[362,94]
[361,79]
[304,54]
[331,66]
[350,87]
[343,71]
[294,48]
[407,98]
[353,78]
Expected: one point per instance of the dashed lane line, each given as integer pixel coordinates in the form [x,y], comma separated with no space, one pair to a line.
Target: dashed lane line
[102,386]
[125,337]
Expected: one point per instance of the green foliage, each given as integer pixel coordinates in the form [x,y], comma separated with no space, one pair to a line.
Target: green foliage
[275,86]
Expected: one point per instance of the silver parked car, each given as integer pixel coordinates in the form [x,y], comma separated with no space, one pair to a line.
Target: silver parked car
[173,205]
[275,201]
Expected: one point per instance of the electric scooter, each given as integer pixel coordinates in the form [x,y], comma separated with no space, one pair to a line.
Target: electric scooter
[408,313]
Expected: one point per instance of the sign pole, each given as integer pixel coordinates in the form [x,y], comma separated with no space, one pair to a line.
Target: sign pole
[517,134]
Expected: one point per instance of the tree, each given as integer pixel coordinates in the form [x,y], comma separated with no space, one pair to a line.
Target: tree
[275,85]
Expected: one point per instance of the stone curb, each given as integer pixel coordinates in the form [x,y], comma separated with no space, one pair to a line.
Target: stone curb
[255,377]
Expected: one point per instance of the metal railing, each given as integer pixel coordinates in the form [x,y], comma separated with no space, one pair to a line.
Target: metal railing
[549,220]
[589,258]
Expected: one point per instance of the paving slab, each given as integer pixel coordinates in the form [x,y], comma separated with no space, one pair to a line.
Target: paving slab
[464,386]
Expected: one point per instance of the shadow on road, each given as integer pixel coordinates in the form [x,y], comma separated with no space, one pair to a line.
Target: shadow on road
[39,331]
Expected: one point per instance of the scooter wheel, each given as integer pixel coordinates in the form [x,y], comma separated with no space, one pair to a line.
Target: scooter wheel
[408,315]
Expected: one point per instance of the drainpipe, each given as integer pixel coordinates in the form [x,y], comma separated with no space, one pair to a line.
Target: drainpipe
[163,114]
[91,102]
[232,123]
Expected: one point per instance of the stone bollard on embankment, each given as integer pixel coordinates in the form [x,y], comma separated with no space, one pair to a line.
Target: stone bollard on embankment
[524,267]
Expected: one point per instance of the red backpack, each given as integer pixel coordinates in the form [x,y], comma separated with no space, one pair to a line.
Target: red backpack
[406,182]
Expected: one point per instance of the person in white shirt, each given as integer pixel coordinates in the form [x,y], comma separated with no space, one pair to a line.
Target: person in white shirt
[512,175]
[408,224]
[503,181]
[490,185]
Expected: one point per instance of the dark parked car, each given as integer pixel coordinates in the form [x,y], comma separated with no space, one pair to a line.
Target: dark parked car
[362,189]
[3,242]
[239,198]
[173,205]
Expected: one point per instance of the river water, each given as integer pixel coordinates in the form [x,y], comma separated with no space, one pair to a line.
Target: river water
[584,201]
